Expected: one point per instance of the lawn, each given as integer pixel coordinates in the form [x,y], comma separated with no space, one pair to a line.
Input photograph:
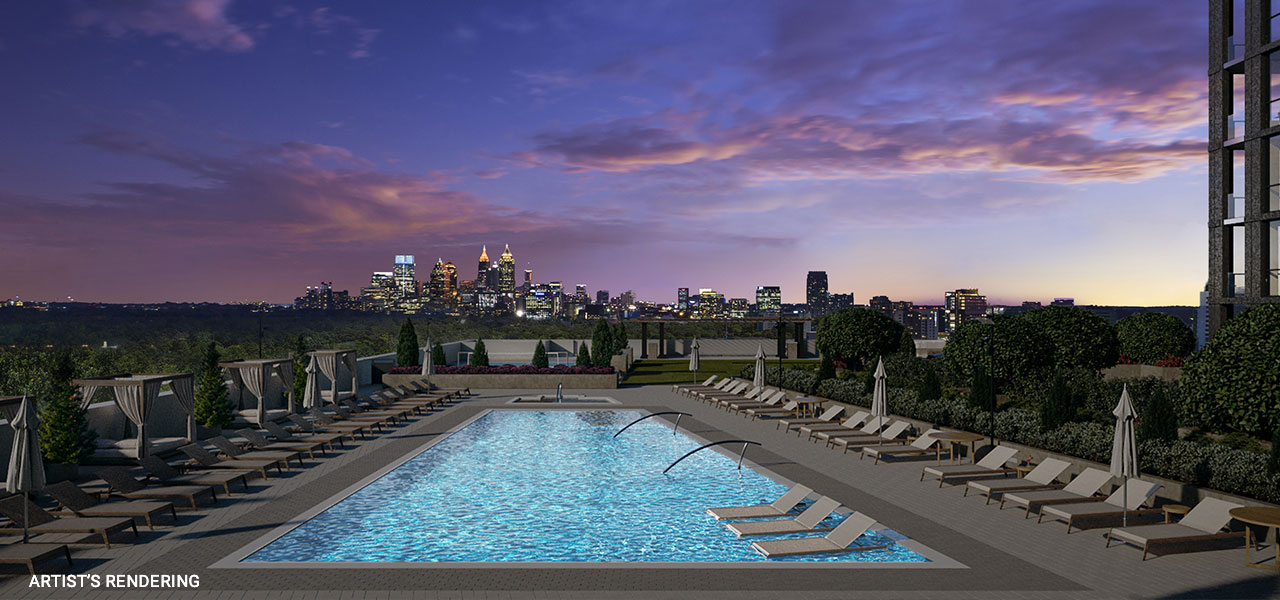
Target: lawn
[653,372]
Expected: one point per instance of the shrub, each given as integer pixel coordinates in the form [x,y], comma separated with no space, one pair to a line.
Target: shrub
[437,355]
[793,379]
[584,356]
[1020,349]
[1059,408]
[602,344]
[539,355]
[65,436]
[858,336]
[1158,419]
[1079,337]
[620,340]
[982,394]
[407,345]
[479,356]
[1148,336]
[1273,460]
[212,407]
[827,368]
[929,387]
[1171,361]
[1232,383]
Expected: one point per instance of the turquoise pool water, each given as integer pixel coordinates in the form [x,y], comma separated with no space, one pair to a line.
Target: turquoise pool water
[549,486]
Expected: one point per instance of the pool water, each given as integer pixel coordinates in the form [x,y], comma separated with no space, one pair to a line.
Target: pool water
[550,486]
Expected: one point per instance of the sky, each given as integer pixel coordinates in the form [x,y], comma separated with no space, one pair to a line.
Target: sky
[228,150]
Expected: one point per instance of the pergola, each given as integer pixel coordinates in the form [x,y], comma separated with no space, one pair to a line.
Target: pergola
[9,406]
[326,362]
[135,396]
[255,374]
[797,321]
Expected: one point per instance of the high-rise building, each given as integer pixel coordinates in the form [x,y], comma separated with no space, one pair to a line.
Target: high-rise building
[1063,302]
[451,273]
[1244,158]
[682,299]
[1202,319]
[580,289]
[738,308]
[710,304]
[768,299]
[602,297]
[482,270]
[380,294]
[840,302]
[528,278]
[815,292]
[506,272]
[403,273]
[882,304]
[439,282]
[962,305]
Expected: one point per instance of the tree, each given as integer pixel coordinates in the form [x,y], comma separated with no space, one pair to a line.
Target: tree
[982,391]
[906,344]
[407,345]
[1232,383]
[620,341]
[584,355]
[1080,338]
[1273,461]
[300,360]
[539,355]
[1020,349]
[1158,421]
[602,344]
[479,356]
[213,409]
[930,387]
[857,336]
[437,355]
[1059,408]
[1147,337]
[826,368]
[65,436]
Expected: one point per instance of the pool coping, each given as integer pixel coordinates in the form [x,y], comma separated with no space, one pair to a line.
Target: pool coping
[234,560]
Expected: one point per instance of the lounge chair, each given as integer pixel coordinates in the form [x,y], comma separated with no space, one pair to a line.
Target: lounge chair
[827,416]
[1043,477]
[766,400]
[324,424]
[283,435]
[258,441]
[1204,522]
[755,394]
[1081,489]
[1130,496]
[869,428]
[76,501]
[167,475]
[396,413]
[39,521]
[925,444]
[790,408]
[780,507]
[121,483]
[425,386]
[341,416]
[805,521]
[207,460]
[30,554]
[840,539]
[890,433]
[735,389]
[991,464]
[679,387]
[234,452]
[719,385]
[853,423]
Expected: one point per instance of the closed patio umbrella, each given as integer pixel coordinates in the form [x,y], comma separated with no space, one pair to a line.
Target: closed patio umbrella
[428,363]
[1124,452]
[879,403]
[26,467]
[693,360]
[759,378]
[311,396]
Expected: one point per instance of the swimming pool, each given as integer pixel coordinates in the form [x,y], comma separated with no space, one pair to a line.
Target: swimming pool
[549,486]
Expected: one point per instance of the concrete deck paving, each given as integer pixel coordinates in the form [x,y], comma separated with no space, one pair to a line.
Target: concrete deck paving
[1004,556]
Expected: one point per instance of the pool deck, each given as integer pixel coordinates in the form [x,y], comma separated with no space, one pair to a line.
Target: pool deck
[1006,557]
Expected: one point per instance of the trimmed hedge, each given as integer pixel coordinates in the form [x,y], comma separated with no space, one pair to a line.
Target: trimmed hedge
[506,370]
[1233,383]
[1148,337]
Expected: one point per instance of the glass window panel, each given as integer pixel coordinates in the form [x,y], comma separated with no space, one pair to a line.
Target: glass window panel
[1236,276]
[1235,121]
[1273,258]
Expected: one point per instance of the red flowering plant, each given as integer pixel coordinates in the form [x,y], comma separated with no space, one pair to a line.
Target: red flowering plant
[1171,361]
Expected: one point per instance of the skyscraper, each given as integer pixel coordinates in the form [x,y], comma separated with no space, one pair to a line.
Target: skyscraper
[1244,158]
[602,296]
[451,278]
[682,298]
[482,271]
[528,278]
[710,304]
[403,274]
[815,292]
[962,305]
[769,299]
[439,281]
[506,272]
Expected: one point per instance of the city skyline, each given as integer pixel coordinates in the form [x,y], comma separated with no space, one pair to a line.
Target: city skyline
[627,149]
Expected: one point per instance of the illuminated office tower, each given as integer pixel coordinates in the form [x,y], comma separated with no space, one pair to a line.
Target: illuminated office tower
[710,304]
[962,305]
[815,292]
[403,273]
[682,298]
[737,308]
[769,299]
[439,281]
[506,272]
[482,271]
[528,279]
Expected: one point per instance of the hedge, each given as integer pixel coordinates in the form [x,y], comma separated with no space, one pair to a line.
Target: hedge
[506,370]
[1232,383]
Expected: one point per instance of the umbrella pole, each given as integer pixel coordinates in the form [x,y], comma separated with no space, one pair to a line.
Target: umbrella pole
[1124,494]
[25,519]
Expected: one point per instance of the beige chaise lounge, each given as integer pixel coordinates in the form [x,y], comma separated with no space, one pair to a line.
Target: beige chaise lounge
[852,424]
[790,408]
[840,539]
[780,507]
[1127,498]
[870,427]
[991,464]
[925,444]
[827,416]
[1044,476]
[890,433]
[680,387]
[1081,489]
[766,400]
[805,521]
[1204,522]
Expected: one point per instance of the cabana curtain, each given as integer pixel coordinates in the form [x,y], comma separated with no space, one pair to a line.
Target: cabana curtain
[255,380]
[284,371]
[328,364]
[86,395]
[184,393]
[135,401]
[350,360]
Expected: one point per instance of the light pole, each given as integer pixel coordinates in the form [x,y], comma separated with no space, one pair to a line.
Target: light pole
[782,349]
[991,371]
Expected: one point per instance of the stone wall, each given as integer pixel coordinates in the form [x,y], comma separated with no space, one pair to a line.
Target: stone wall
[1132,371]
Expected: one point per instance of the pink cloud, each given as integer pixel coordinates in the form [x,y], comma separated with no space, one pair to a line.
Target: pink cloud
[203,24]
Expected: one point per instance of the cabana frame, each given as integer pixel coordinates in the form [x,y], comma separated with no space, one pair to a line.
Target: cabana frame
[260,370]
[331,359]
[135,394]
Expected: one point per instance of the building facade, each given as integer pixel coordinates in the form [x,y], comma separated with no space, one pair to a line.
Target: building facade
[815,292]
[962,305]
[710,304]
[768,299]
[1244,157]
[682,299]
[405,279]
[482,270]
[507,272]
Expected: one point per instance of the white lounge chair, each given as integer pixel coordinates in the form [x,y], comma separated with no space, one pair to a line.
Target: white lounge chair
[827,416]
[806,521]
[1129,497]
[925,444]
[1044,476]
[890,433]
[870,427]
[782,506]
[1081,489]
[991,464]
[840,539]
[1204,522]
[852,423]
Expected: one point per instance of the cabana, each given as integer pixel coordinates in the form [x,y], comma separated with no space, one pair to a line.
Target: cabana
[135,396]
[255,375]
[326,362]
[9,407]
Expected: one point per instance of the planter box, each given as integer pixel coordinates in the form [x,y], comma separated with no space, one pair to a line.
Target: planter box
[606,381]
[1134,371]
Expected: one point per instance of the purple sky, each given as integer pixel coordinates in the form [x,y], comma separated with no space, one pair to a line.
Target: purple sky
[228,150]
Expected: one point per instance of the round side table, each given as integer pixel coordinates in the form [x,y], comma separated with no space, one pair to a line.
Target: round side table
[1174,509]
[1264,516]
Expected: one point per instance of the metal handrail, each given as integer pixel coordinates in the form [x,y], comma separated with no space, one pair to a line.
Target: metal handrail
[665,412]
[740,454]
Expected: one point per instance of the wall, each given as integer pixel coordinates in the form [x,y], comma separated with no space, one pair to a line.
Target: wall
[1132,371]
[513,382]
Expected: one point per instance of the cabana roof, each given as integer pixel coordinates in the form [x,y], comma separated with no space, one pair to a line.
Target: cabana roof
[128,379]
[331,352]
[249,362]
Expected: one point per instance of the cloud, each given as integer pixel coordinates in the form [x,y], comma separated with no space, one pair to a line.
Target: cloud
[203,24]
[463,33]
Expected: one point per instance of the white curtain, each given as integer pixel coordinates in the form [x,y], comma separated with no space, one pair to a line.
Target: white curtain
[328,364]
[311,398]
[86,395]
[350,360]
[185,395]
[285,371]
[255,380]
[135,401]
[237,381]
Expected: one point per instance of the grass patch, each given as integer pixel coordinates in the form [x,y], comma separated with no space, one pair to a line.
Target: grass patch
[656,372]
